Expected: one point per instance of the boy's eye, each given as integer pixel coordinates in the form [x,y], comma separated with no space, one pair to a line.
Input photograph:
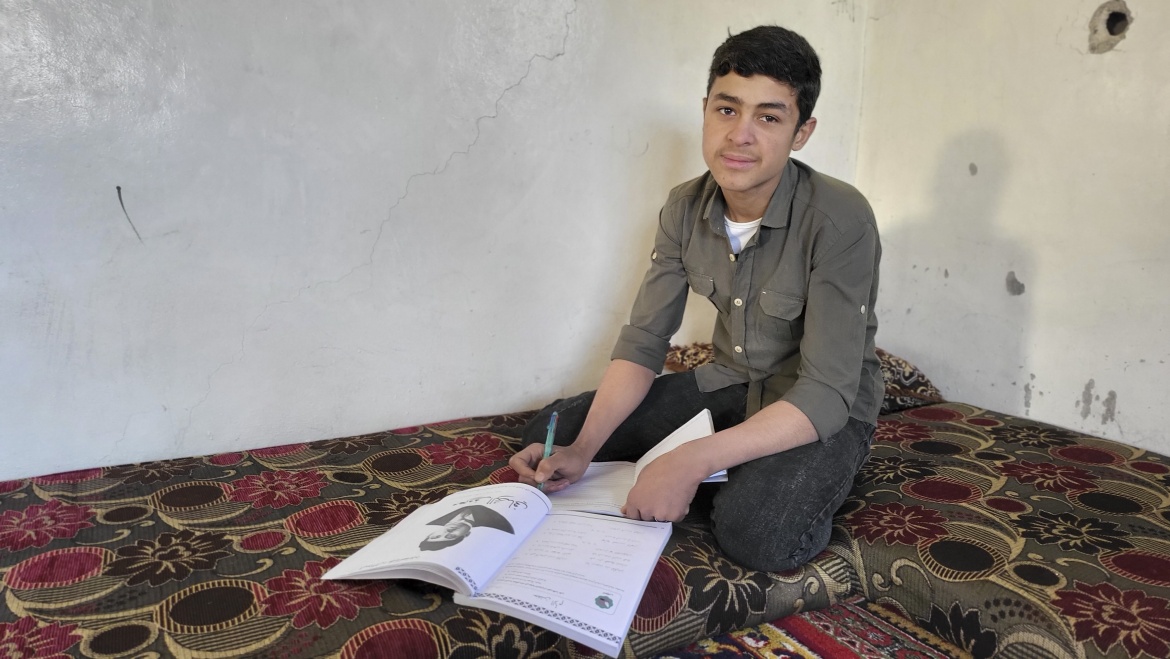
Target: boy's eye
[725,111]
[770,119]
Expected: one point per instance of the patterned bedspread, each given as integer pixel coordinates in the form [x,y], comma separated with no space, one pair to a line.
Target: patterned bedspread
[220,556]
[1014,538]
[997,533]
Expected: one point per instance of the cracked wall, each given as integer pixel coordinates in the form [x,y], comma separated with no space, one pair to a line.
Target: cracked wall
[230,226]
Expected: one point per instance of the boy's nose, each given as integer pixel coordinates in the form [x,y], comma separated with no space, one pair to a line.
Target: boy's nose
[741,132]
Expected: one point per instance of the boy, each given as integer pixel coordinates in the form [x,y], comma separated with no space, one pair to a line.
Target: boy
[789,257]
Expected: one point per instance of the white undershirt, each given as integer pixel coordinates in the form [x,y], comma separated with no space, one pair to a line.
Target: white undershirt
[739,233]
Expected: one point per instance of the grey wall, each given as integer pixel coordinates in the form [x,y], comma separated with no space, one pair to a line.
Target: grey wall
[1021,186]
[343,216]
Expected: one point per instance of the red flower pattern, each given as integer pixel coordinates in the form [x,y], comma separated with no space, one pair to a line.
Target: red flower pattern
[37,526]
[897,431]
[11,486]
[897,524]
[1108,616]
[473,452]
[26,640]
[310,599]
[1051,477]
[277,488]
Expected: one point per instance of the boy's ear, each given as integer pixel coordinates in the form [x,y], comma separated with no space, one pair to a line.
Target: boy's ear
[803,133]
[704,104]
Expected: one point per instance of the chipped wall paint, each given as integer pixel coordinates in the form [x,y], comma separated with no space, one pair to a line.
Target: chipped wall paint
[226,225]
[1011,148]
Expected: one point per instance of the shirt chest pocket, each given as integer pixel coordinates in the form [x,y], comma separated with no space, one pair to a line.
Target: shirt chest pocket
[705,286]
[782,318]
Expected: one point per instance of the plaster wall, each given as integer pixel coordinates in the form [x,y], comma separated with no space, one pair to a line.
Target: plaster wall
[1020,186]
[340,217]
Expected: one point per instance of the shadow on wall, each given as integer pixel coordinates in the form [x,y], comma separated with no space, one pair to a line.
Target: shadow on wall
[955,285]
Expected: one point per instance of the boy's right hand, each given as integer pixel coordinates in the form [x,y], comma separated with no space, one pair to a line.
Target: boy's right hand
[565,466]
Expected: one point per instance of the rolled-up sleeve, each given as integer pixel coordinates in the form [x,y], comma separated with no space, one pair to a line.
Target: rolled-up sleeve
[658,308]
[836,313]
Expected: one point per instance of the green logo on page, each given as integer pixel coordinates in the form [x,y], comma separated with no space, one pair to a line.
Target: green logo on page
[603,602]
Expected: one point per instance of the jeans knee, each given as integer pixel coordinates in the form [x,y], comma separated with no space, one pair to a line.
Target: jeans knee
[537,426]
[771,550]
[571,412]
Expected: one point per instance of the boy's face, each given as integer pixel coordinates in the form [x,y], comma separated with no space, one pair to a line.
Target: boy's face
[749,129]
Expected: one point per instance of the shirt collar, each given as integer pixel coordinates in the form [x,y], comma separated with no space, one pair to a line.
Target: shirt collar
[776,217]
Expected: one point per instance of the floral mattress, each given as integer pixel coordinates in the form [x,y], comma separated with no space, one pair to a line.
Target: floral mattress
[996,533]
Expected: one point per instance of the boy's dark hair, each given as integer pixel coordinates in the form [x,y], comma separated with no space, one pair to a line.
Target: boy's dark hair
[776,52]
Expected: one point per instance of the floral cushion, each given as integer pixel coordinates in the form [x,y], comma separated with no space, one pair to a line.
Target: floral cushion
[1011,537]
[687,358]
[222,556]
[906,385]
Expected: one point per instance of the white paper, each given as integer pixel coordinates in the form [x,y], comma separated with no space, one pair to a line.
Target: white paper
[583,573]
[698,427]
[605,485]
[603,489]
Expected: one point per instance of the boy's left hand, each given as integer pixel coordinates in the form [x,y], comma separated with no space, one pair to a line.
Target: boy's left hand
[664,489]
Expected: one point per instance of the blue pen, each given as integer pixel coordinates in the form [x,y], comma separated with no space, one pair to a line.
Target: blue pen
[548,442]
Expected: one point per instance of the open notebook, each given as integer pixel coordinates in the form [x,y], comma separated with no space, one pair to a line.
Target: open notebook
[550,560]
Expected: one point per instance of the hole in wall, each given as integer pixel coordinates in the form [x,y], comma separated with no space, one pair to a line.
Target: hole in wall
[1108,26]
[1116,23]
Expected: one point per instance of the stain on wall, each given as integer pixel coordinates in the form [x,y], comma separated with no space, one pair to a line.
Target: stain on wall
[1014,286]
[1086,401]
[1110,405]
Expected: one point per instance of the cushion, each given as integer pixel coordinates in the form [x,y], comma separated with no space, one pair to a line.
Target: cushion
[906,385]
[688,358]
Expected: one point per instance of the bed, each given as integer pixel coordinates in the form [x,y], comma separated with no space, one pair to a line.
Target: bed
[998,534]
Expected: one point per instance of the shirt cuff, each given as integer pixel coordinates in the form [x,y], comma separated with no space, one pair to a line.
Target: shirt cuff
[641,347]
[821,404]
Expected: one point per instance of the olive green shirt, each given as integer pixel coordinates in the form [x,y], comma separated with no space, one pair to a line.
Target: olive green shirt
[796,314]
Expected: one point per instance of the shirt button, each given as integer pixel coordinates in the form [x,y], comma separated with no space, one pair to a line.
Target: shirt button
[738,302]
[731,256]
[739,348]
[863,309]
[653,256]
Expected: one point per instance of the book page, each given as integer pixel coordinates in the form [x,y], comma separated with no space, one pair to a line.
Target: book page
[603,489]
[580,575]
[698,427]
[462,539]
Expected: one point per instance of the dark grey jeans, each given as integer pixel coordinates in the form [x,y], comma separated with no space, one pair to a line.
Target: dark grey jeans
[774,513]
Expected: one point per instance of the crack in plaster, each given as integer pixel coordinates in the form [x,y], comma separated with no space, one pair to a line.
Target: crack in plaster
[182,435]
[466,150]
[179,439]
